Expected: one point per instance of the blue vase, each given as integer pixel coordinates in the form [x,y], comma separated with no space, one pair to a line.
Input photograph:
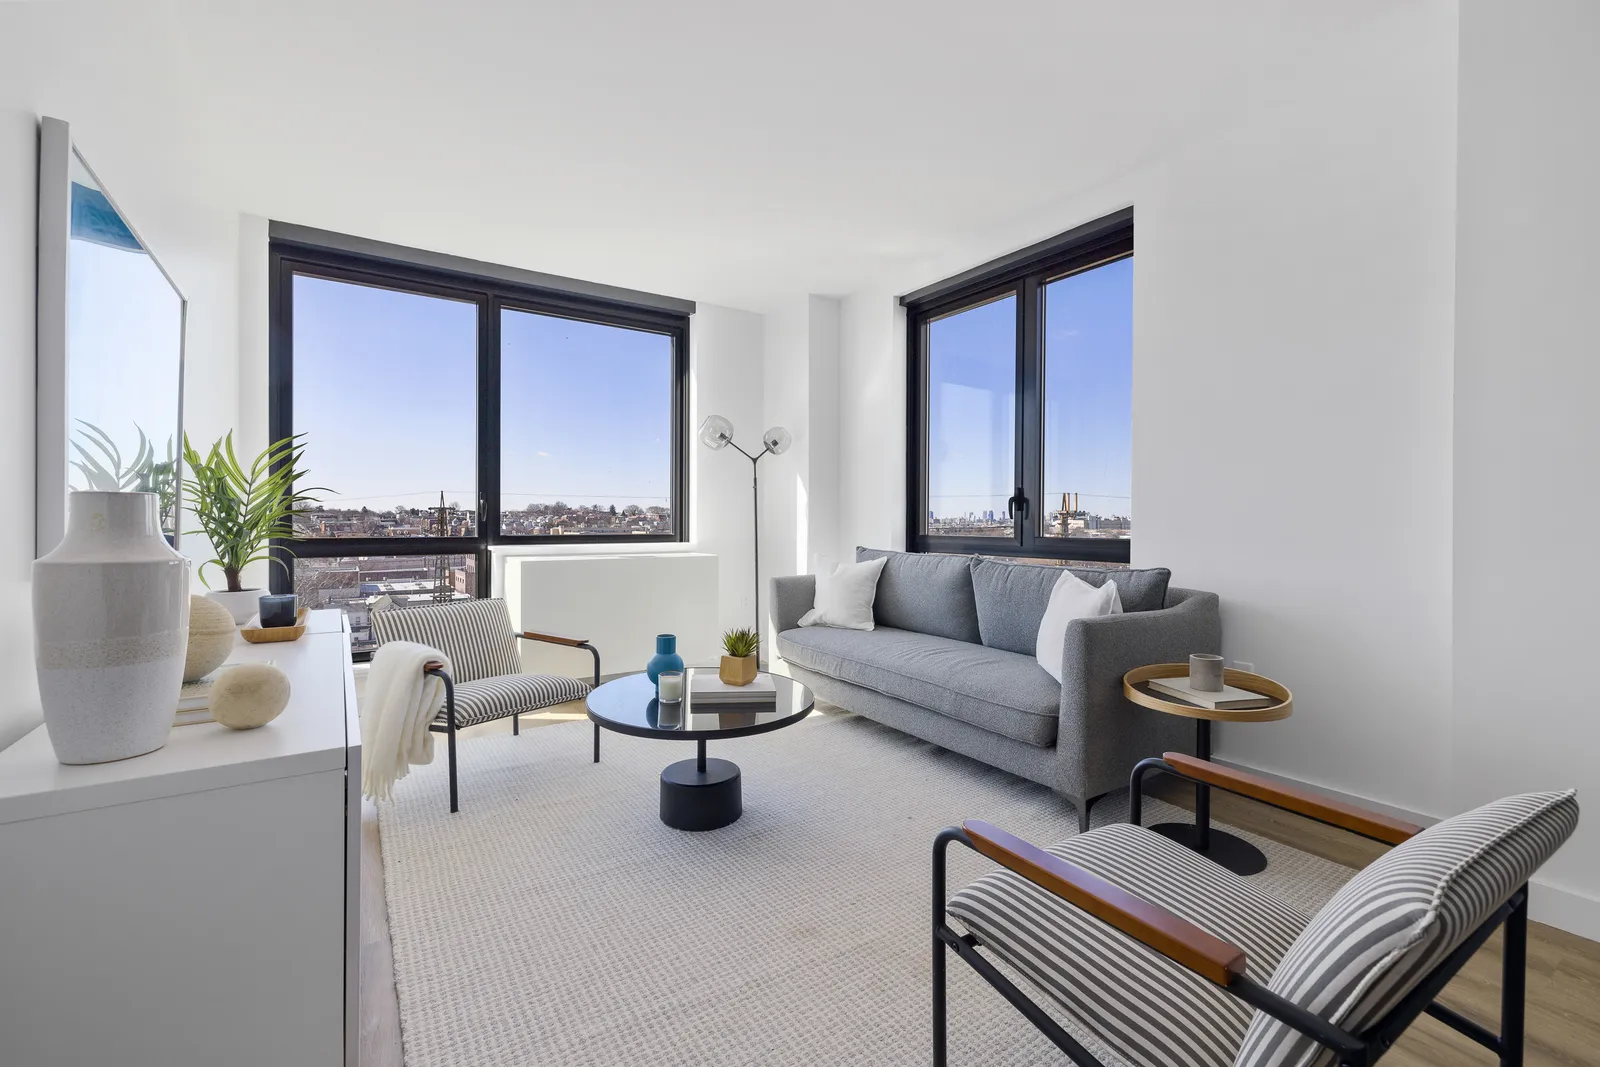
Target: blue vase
[665,659]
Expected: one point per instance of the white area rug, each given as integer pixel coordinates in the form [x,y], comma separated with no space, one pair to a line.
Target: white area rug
[556,921]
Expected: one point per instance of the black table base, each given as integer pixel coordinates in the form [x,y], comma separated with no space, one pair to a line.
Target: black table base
[1223,849]
[701,793]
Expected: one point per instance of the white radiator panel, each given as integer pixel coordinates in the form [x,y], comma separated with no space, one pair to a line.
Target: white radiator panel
[620,603]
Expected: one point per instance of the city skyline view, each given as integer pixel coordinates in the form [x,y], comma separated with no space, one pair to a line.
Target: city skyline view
[572,463]
[1087,409]
[386,392]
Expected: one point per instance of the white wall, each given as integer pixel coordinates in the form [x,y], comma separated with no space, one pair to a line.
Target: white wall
[1361,459]
[1292,348]
[872,422]
[19,147]
[799,489]
[105,77]
[1526,435]
[785,479]
[1292,368]
[821,551]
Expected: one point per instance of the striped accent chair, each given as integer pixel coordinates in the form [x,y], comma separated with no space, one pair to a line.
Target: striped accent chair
[485,681]
[1146,954]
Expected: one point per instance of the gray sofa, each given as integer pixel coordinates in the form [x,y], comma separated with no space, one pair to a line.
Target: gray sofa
[952,661]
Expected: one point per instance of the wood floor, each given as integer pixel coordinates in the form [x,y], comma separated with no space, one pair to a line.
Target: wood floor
[1563,1026]
[1563,1013]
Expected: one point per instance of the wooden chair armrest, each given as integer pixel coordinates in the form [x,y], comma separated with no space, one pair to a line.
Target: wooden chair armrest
[1323,809]
[432,665]
[1175,938]
[552,639]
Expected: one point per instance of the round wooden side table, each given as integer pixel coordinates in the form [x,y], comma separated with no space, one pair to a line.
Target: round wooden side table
[1234,853]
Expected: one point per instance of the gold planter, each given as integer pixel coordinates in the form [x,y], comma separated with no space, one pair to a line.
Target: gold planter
[737,670]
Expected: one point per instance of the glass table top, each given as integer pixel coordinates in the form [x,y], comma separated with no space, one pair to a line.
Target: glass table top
[628,705]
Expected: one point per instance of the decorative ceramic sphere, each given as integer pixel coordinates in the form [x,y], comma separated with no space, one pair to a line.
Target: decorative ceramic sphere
[211,637]
[249,695]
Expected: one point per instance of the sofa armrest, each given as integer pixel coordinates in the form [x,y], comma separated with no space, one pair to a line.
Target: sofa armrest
[1102,734]
[789,598]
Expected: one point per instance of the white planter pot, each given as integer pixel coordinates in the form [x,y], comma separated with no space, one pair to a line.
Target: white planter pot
[242,605]
[111,619]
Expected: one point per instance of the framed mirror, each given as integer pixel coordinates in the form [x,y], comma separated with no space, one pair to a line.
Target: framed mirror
[110,348]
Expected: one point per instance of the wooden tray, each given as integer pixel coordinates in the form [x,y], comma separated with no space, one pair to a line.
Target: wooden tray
[262,635]
[1134,688]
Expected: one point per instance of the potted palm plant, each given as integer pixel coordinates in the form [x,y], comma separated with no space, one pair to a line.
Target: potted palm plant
[739,649]
[242,510]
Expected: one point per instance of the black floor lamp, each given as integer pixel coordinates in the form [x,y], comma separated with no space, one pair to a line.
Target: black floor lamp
[717,433]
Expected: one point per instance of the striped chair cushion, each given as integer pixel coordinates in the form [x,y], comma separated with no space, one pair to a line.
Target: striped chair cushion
[1128,1004]
[511,694]
[475,634]
[1399,918]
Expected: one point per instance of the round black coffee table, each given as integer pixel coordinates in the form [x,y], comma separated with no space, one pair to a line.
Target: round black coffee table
[699,793]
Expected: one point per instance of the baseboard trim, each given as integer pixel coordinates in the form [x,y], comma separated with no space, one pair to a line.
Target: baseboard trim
[1379,806]
[1565,909]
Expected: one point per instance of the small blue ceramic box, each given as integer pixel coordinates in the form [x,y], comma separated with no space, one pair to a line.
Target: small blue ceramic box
[279,609]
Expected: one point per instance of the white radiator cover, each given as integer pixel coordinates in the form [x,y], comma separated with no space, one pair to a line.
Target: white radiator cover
[619,603]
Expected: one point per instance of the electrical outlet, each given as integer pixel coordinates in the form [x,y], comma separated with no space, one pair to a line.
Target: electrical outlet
[1241,665]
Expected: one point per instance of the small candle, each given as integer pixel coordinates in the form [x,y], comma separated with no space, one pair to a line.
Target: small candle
[669,686]
[279,609]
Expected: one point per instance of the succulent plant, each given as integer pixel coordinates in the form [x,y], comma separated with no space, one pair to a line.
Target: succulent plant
[741,642]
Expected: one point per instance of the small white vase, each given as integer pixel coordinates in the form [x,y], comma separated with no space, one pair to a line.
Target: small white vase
[111,619]
[242,604]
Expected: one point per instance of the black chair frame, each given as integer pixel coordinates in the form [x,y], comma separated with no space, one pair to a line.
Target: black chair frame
[1353,1050]
[448,727]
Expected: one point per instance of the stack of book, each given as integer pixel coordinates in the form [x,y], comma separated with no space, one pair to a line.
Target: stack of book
[1230,698]
[709,692]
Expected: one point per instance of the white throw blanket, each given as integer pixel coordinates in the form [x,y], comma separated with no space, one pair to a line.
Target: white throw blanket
[399,703]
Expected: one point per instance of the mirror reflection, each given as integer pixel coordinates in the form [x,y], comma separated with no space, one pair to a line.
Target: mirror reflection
[124,355]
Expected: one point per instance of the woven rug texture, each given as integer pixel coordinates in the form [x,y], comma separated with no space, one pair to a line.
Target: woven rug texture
[555,921]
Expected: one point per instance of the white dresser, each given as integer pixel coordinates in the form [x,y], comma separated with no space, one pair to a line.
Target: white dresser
[197,906]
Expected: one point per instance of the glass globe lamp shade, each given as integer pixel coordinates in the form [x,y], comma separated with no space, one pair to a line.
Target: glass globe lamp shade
[716,432]
[777,440]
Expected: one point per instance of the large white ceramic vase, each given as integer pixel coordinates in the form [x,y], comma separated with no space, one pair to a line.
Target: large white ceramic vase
[111,625]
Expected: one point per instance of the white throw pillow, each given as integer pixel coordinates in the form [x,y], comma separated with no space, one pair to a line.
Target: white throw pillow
[1071,598]
[845,600]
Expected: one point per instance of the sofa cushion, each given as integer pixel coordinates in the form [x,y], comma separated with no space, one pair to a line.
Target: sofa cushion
[999,691]
[1009,598]
[1144,589]
[926,593]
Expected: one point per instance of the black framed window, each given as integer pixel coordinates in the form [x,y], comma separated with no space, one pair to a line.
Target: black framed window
[1019,405]
[447,412]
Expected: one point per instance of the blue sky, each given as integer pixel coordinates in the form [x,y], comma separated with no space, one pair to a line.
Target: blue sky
[586,413]
[385,387]
[124,332]
[1088,390]
[1088,398]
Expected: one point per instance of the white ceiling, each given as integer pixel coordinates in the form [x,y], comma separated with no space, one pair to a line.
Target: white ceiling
[726,151]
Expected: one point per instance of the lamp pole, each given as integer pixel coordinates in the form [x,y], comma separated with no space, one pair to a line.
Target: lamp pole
[716,433]
[755,520]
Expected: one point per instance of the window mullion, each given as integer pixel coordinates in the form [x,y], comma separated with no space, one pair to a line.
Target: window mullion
[488,423]
[1030,449]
